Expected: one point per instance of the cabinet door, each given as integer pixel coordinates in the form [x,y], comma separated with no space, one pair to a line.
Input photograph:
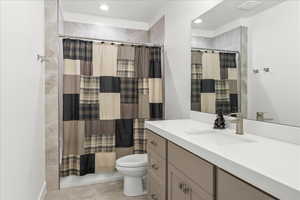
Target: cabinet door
[156,190]
[156,144]
[157,167]
[197,169]
[176,184]
[194,192]
[183,188]
[231,188]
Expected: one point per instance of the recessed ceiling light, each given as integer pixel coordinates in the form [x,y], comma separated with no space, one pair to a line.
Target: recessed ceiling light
[198,21]
[104,7]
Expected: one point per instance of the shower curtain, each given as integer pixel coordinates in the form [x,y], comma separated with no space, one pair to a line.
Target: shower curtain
[214,82]
[109,91]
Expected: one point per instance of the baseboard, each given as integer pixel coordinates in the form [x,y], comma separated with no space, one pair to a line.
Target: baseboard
[43,192]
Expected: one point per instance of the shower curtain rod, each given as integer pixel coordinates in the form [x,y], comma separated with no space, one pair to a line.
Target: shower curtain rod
[220,50]
[110,41]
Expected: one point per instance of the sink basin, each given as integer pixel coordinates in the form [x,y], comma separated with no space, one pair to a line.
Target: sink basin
[200,132]
[224,139]
[218,137]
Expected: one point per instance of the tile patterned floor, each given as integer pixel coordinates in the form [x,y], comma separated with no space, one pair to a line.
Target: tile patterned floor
[105,191]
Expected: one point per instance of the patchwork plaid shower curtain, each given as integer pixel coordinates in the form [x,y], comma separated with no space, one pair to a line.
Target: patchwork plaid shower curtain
[214,82]
[109,91]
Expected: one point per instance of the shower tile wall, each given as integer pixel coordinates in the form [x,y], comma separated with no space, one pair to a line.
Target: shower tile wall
[51,68]
[105,32]
[244,70]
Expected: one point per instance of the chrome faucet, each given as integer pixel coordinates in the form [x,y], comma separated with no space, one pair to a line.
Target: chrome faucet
[260,116]
[239,122]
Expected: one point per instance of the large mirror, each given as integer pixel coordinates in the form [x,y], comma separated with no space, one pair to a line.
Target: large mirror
[245,58]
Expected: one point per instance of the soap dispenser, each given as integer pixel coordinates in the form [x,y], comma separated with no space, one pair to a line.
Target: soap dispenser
[220,121]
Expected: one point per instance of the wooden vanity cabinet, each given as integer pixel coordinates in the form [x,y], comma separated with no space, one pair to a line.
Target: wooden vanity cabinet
[177,184]
[197,169]
[189,175]
[231,188]
[157,170]
[181,187]
[177,174]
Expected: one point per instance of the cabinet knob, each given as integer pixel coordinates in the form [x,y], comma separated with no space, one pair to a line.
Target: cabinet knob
[154,166]
[154,197]
[153,143]
[186,190]
[181,186]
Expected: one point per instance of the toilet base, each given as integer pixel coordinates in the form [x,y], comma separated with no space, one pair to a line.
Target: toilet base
[133,186]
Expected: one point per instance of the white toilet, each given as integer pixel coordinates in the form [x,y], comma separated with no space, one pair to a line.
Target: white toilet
[133,168]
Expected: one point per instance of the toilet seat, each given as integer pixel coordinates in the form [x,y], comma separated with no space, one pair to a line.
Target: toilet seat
[133,161]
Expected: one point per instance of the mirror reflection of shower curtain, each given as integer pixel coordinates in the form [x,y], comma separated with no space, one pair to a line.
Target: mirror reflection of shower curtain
[214,82]
[108,93]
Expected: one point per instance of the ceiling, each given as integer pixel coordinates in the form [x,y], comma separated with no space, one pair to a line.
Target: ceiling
[135,10]
[228,11]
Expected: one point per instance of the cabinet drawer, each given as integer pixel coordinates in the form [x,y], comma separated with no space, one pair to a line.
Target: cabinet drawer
[156,144]
[199,171]
[156,191]
[181,187]
[232,188]
[157,167]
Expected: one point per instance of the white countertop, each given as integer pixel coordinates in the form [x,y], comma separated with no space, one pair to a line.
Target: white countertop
[271,165]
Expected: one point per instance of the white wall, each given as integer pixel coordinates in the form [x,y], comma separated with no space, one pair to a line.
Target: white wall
[104,21]
[202,42]
[157,32]
[105,32]
[229,40]
[22,100]
[178,18]
[274,41]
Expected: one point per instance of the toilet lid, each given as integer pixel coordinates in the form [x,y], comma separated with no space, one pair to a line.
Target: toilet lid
[136,160]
